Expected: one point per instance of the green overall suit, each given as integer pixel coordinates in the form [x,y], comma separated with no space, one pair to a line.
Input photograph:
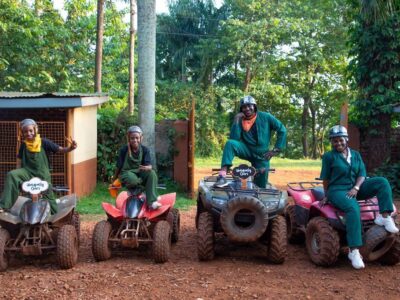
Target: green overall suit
[132,177]
[253,144]
[342,177]
[34,164]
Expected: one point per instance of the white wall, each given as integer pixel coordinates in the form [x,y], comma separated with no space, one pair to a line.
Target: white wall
[85,133]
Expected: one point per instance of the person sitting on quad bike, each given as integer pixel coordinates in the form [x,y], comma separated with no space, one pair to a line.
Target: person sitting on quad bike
[134,166]
[344,181]
[249,139]
[32,161]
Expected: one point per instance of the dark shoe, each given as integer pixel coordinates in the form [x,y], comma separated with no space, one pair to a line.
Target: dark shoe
[221,181]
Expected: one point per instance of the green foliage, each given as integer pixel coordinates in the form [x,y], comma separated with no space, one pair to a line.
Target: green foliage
[375,65]
[392,173]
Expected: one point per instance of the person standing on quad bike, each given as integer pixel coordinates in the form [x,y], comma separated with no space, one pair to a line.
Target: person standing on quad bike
[250,138]
[32,161]
[134,166]
[344,180]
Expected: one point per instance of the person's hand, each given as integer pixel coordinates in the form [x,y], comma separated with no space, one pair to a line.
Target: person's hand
[74,145]
[352,193]
[269,154]
[238,117]
[323,201]
[145,168]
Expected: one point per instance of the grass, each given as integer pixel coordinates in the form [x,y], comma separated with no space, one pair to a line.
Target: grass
[276,162]
[91,204]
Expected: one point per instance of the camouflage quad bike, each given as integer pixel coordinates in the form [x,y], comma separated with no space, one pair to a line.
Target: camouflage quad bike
[243,212]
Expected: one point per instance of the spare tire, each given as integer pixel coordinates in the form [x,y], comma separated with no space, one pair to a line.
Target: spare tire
[377,241]
[244,219]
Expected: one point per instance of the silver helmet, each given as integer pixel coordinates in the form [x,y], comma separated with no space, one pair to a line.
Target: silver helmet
[248,100]
[338,131]
[135,128]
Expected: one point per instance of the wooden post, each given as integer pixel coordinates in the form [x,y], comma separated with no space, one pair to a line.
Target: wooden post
[191,192]
[344,117]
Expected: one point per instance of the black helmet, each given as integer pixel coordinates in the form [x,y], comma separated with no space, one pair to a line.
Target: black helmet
[248,100]
[338,131]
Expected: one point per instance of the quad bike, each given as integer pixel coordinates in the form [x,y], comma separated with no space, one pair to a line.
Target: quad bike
[323,227]
[28,227]
[131,223]
[243,212]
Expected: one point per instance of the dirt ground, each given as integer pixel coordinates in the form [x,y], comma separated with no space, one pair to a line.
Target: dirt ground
[237,272]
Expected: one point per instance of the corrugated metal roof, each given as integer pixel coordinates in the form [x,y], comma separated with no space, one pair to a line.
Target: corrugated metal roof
[50,100]
[47,95]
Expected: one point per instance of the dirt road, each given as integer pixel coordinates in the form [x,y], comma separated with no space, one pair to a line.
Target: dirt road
[236,273]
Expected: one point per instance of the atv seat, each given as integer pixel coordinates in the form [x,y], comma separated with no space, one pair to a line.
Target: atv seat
[318,193]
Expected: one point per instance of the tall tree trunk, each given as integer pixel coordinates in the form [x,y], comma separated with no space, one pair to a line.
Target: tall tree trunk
[99,45]
[132,32]
[247,79]
[147,70]
[313,131]
[304,125]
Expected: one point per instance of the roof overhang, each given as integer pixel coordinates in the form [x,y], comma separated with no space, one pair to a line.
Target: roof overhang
[49,100]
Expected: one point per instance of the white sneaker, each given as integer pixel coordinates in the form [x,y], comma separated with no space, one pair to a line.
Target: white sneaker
[356,259]
[156,205]
[387,222]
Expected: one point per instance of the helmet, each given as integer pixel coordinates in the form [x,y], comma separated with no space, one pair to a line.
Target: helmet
[135,128]
[247,100]
[27,122]
[338,131]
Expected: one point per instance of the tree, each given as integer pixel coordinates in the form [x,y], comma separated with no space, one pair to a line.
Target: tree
[132,33]
[146,70]
[99,45]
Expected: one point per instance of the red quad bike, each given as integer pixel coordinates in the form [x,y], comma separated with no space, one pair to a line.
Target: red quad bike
[323,227]
[131,223]
[29,229]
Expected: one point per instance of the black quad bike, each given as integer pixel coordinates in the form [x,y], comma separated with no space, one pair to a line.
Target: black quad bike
[28,227]
[243,212]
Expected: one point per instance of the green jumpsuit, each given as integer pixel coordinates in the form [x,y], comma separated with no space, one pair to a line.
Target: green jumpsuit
[132,177]
[342,177]
[253,144]
[34,164]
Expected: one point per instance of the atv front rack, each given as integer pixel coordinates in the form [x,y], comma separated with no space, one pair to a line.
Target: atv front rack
[304,185]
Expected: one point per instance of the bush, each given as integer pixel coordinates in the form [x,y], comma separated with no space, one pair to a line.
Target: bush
[392,173]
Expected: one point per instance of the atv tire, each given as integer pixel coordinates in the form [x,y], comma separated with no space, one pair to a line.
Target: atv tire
[377,241]
[294,235]
[248,232]
[205,237]
[277,249]
[174,220]
[322,242]
[76,222]
[67,247]
[161,241]
[392,257]
[100,246]
[4,237]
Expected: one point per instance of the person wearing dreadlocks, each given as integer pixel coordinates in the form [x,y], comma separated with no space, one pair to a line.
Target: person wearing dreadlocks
[134,167]
[249,139]
[32,161]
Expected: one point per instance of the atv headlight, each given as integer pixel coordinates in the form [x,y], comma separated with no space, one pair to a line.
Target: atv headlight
[220,203]
[271,204]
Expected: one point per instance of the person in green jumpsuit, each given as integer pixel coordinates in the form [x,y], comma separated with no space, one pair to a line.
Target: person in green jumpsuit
[134,167]
[32,161]
[344,180]
[250,138]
